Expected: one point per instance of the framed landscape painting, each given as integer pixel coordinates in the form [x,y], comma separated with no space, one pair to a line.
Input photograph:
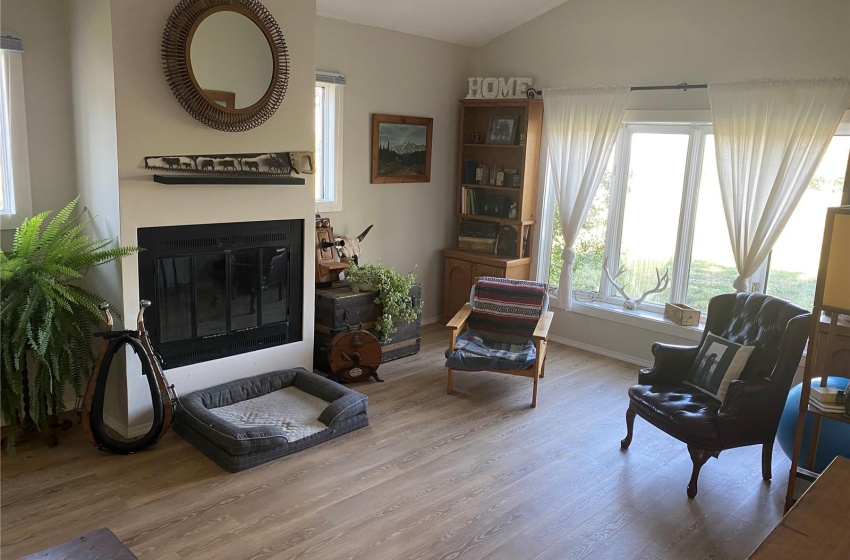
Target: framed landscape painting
[401,149]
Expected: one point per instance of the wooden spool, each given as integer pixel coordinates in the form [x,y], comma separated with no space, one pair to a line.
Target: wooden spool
[354,355]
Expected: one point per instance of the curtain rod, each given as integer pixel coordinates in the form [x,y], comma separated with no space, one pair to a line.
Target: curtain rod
[684,86]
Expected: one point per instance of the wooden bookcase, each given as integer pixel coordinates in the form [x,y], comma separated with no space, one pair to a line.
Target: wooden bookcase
[829,343]
[496,215]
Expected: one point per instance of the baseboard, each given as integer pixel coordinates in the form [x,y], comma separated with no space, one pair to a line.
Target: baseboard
[125,431]
[601,351]
[119,427]
[430,320]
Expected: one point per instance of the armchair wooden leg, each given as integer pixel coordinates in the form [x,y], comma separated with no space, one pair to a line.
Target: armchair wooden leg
[534,393]
[766,459]
[449,382]
[699,457]
[543,359]
[630,426]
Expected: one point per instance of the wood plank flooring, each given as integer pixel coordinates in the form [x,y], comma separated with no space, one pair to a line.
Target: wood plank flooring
[473,475]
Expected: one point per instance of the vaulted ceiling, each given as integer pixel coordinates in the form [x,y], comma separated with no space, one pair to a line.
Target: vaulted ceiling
[467,22]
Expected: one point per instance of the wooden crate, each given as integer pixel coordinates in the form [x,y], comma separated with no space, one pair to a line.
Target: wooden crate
[339,309]
[681,314]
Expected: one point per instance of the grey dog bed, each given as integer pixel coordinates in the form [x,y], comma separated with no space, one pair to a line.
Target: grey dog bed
[238,445]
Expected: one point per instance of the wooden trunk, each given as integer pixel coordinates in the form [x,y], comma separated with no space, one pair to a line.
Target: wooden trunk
[339,308]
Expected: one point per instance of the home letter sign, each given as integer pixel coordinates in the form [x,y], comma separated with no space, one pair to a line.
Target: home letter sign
[497,88]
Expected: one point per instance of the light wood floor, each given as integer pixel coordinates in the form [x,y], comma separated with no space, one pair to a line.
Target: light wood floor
[474,475]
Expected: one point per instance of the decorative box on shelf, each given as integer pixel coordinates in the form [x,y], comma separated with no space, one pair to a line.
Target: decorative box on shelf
[480,244]
[478,236]
[681,314]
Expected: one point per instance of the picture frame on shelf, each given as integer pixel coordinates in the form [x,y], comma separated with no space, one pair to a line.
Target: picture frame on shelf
[401,149]
[502,129]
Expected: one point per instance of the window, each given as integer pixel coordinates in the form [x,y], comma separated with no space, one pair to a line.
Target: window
[658,208]
[796,254]
[328,124]
[15,200]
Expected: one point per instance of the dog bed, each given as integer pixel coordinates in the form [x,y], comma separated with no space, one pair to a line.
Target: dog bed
[247,422]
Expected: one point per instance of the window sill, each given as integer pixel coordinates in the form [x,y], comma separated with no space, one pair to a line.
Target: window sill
[639,319]
[328,206]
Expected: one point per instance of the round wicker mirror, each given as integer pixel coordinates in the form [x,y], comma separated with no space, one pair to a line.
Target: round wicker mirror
[226,62]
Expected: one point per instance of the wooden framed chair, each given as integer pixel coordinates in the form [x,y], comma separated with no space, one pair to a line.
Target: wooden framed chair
[503,329]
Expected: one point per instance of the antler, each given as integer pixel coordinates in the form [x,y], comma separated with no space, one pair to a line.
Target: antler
[629,303]
[613,280]
[658,286]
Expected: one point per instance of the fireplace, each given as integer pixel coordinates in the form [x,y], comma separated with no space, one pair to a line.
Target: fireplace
[219,290]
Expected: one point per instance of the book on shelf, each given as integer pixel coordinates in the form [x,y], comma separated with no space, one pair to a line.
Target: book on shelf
[828,408]
[828,395]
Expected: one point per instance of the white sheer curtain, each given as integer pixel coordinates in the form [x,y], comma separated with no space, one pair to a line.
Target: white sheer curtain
[769,138]
[580,126]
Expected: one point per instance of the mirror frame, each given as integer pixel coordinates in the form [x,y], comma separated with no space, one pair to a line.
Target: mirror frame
[176,62]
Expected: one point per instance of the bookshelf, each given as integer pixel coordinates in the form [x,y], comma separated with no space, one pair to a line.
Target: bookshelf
[499,152]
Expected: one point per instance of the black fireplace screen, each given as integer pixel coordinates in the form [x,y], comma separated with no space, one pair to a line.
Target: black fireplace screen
[222,289]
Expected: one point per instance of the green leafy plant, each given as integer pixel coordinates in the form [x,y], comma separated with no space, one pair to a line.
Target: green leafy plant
[393,291]
[45,316]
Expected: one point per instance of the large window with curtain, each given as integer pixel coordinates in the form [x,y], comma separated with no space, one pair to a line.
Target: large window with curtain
[658,207]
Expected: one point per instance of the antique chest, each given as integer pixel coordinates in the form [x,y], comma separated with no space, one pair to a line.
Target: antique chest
[339,308]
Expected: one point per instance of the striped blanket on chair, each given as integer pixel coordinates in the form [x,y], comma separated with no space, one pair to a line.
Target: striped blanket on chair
[507,309]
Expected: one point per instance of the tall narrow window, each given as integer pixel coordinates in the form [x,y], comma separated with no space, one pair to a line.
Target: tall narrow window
[328,123]
[653,197]
[15,199]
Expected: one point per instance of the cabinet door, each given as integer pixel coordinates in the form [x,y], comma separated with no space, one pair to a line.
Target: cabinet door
[457,281]
[487,270]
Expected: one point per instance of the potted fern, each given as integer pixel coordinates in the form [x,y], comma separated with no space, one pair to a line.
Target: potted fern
[393,294]
[46,319]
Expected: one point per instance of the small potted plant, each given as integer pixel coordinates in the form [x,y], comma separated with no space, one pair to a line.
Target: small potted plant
[46,317]
[393,294]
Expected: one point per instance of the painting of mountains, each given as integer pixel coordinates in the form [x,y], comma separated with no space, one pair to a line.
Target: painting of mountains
[401,149]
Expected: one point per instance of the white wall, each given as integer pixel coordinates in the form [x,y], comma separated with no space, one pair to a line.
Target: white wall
[150,121]
[96,158]
[397,74]
[606,42]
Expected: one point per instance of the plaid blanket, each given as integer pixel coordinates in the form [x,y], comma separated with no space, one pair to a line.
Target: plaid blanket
[473,352]
[507,307]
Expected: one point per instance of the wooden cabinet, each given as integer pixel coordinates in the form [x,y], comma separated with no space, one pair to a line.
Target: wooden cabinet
[499,152]
[462,269]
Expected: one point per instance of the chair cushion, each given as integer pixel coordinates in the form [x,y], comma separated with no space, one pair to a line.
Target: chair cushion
[505,310]
[473,353]
[718,363]
[685,414]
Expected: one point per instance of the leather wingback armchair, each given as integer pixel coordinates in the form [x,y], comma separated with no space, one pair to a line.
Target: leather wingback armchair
[750,411]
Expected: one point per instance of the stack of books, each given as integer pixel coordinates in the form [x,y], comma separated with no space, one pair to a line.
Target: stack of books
[827,399]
